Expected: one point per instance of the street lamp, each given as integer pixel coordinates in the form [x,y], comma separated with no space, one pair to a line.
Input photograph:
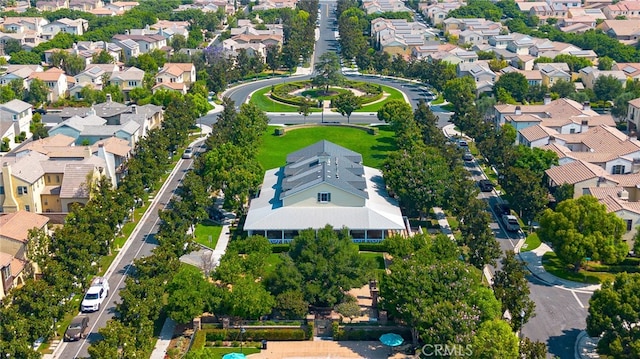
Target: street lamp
[242,331]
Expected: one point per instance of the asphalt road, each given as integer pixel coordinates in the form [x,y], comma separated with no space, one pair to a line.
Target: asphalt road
[560,313]
[140,245]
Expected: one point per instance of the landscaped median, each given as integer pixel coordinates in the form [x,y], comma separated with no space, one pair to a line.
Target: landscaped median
[288,97]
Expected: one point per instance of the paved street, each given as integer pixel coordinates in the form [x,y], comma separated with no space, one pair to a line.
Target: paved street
[560,312]
[139,245]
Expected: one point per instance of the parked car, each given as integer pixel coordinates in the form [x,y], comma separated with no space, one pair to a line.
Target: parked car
[467,156]
[502,208]
[78,329]
[485,185]
[188,153]
[96,294]
[510,222]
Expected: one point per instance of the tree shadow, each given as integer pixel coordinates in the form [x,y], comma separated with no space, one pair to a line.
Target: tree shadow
[563,346]
[367,349]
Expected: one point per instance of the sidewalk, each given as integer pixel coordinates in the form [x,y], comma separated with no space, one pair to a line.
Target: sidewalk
[450,131]
[533,262]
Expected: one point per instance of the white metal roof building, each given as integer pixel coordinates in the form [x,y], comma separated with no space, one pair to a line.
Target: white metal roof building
[324,184]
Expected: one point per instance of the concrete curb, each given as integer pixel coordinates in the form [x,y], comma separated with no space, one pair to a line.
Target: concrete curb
[585,347]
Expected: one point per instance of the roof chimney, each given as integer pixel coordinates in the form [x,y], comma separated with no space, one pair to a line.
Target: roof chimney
[108,98]
[586,106]
[547,99]
[624,195]
[518,110]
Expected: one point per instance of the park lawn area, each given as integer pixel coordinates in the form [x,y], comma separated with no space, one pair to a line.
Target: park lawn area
[218,353]
[532,242]
[374,107]
[374,148]
[318,94]
[205,229]
[438,100]
[260,99]
[272,262]
[555,266]
[376,257]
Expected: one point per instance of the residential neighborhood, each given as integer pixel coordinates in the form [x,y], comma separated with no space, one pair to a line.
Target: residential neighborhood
[305,179]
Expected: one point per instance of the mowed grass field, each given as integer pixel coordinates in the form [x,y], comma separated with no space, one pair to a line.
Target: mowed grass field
[374,148]
[374,107]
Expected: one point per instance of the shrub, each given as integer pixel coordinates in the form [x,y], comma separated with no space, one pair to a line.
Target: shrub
[373,131]
[372,247]
[279,131]
[218,343]
[256,334]
[279,248]
[235,343]
[349,333]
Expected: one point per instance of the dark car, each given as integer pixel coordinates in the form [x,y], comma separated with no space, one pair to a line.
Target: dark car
[502,209]
[485,185]
[78,328]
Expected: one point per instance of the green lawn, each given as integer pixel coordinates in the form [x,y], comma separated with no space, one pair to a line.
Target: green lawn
[438,100]
[260,99]
[374,107]
[319,93]
[272,261]
[374,148]
[204,230]
[377,258]
[531,243]
[218,353]
[555,266]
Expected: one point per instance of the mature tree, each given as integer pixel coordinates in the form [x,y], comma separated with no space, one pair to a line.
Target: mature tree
[401,247]
[349,309]
[23,57]
[178,42]
[563,88]
[427,121]
[496,65]
[621,104]
[346,103]
[187,291]
[12,46]
[514,83]
[438,73]
[248,299]
[273,57]
[497,146]
[291,305]
[352,25]
[575,63]
[328,71]
[71,64]
[305,109]
[605,63]
[285,278]
[607,88]
[536,93]
[494,339]
[477,235]
[511,287]
[459,91]
[563,192]
[439,297]
[102,57]
[613,316]
[581,228]
[535,159]
[532,350]
[329,264]
[419,176]
[395,112]
[38,92]
[527,193]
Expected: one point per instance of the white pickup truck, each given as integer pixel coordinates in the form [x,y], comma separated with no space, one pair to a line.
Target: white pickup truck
[96,294]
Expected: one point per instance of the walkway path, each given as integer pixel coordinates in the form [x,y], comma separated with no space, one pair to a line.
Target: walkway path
[327,349]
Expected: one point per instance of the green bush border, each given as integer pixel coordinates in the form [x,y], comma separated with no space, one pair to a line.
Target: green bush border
[282,334]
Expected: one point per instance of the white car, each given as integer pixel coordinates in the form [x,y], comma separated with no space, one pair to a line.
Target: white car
[188,153]
[96,294]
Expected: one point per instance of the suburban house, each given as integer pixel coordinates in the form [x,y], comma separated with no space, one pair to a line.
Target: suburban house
[275,4]
[436,13]
[128,79]
[481,74]
[559,111]
[399,37]
[64,25]
[85,5]
[534,78]
[14,237]
[324,184]
[52,182]
[553,72]
[52,5]
[628,9]
[119,7]
[19,72]
[15,118]
[619,200]
[109,119]
[176,76]
[590,74]
[626,31]
[380,6]
[146,43]
[630,69]
[633,115]
[56,81]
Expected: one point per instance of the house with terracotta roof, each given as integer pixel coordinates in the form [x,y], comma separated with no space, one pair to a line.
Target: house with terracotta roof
[85,5]
[625,31]
[56,81]
[630,69]
[563,109]
[52,5]
[119,7]
[628,9]
[177,72]
[15,118]
[633,115]
[51,182]
[11,270]
[620,200]
[14,238]
[581,175]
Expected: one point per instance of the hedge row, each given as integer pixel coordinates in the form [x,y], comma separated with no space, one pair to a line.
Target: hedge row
[282,94]
[348,333]
[292,334]
[279,248]
[366,87]
[372,247]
